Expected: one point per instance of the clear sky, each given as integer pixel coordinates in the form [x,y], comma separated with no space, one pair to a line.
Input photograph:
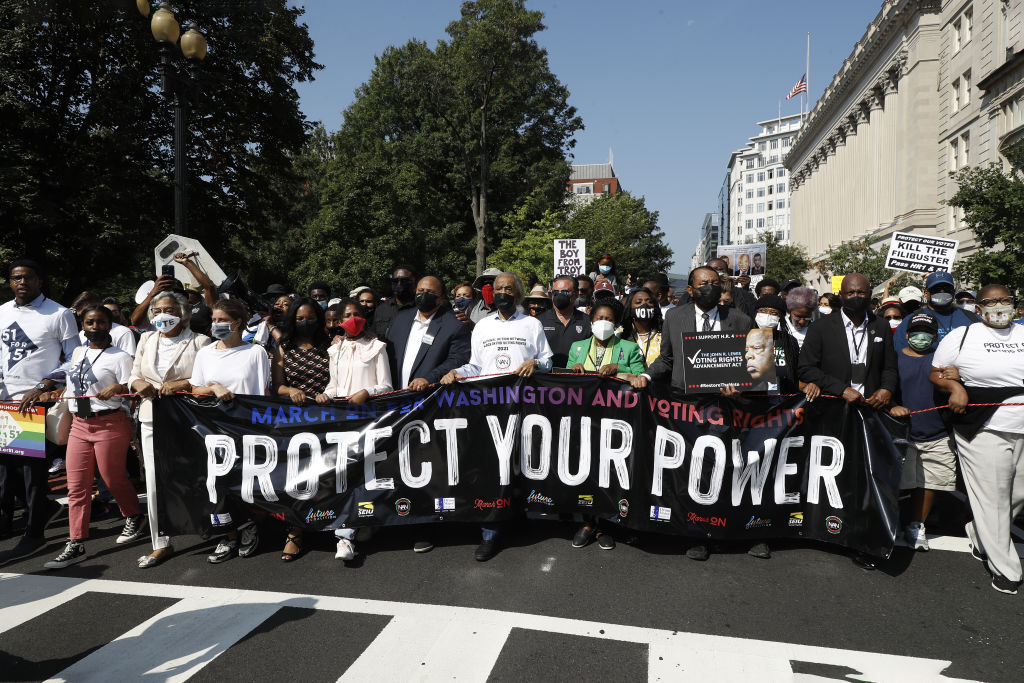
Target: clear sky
[672,87]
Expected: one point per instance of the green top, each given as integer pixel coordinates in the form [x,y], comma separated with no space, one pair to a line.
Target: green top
[621,351]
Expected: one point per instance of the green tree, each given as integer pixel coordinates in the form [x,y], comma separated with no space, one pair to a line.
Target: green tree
[993,204]
[620,225]
[86,135]
[783,261]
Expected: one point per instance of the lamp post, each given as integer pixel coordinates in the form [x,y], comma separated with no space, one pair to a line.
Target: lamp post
[182,86]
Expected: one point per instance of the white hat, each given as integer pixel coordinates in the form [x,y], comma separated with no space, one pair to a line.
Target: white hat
[910,294]
[357,291]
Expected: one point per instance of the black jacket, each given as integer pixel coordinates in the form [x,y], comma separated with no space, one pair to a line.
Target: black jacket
[825,356]
[446,345]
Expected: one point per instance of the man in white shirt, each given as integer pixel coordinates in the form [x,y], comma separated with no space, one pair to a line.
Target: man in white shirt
[504,342]
[35,332]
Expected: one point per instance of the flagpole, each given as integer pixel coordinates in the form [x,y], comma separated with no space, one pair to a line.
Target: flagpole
[807,75]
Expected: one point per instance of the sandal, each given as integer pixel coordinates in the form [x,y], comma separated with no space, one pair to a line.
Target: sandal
[155,557]
[295,538]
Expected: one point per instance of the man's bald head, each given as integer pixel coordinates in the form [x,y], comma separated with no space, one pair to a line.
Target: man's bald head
[855,284]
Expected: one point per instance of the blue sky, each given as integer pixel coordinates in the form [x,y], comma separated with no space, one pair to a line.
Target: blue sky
[671,87]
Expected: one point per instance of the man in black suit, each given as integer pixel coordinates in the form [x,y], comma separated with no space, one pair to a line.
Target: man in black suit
[850,353]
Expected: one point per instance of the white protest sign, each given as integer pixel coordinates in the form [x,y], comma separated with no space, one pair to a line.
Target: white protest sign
[570,257]
[920,253]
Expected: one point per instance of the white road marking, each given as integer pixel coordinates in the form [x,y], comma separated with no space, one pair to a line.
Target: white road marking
[422,642]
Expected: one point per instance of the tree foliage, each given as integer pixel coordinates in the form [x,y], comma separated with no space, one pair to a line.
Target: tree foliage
[993,204]
[87,135]
[620,225]
[783,261]
[869,261]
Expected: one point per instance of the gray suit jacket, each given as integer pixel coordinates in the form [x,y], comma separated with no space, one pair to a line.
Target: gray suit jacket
[683,319]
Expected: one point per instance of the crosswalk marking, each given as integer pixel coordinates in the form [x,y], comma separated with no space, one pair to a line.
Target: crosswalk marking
[421,642]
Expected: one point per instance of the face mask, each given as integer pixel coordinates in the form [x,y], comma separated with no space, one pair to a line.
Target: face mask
[426,302]
[856,304]
[603,329]
[604,269]
[402,288]
[487,292]
[894,323]
[353,327]
[461,303]
[825,310]
[921,341]
[767,320]
[644,312]
[998,315]
[968,306]
[323,304]
[98,337]
[582,301]
[306,328]
[505,302]
[561,300]
[707,296]
[941,299]
[165,322]
[334,331]
[220,330]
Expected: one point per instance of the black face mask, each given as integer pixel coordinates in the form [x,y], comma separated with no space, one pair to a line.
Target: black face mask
[426,302]
[335,331]
[561,300]
[98,337]
[707,296]
[582,301]
[505,302]
[856,304]
[305,328]
[402,288]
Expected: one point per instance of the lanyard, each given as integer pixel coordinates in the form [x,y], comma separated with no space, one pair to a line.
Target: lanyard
[84,371]
[857,347]
[593,359]
[647,346]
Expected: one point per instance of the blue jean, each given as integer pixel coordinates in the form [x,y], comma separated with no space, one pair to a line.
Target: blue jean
[490,531]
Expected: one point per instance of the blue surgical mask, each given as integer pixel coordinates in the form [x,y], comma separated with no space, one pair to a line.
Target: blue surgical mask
[220,330]
[323,304]
[604,269]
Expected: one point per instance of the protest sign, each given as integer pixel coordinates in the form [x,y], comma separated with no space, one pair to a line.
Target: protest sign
[23,436]
[920,253]
[498,447]
[745,259]
[570,257]
[837,283]
[713,360]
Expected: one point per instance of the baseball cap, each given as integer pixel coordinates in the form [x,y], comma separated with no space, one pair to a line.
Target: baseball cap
[966,292]
[939,277]
[790,284]
[910,294]
[923,322]
[603,288]
[358,290]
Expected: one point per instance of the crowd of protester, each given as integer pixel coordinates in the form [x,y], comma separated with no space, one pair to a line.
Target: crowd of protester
[906,354]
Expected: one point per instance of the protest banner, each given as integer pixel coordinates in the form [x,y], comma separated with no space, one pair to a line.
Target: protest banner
[570,257]
[713,360]
[920,253]
[745,259]
[494,448]
[22,436]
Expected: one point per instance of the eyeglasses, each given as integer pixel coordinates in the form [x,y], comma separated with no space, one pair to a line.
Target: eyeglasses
[1007,300]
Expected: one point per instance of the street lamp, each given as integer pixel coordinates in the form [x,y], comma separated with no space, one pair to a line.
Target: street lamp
[182,85]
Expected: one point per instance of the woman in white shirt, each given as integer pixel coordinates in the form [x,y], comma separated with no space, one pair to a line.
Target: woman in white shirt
[359,369]
[100,434]
[163,366]
[229,367]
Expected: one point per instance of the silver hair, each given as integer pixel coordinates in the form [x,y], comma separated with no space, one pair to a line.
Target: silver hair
[184,310]
[802,297]
[519,286]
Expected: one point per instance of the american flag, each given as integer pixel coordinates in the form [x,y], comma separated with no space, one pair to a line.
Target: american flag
[801,86]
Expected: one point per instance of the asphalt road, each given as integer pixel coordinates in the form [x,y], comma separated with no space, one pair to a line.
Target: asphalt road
[539,610]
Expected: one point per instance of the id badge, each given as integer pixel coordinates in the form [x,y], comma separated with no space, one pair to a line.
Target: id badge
[859,374]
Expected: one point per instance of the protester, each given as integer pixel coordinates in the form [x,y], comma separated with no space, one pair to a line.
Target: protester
[300,373]
[702,314]
[911,298]
[585,287]
[320,292]
[800,303]
[403,286]
[929,465]
[641,324]
[988,358]
[35,332]
[166,283]
[563,325]
[727,298]
[892,313]
[524,350]
[767,285]
[788,286]
[163,366]
[485,304]
[743,300]
[537,301]
[828,303]
[224,369]
[121,336]
[965,299]
[268,332]
[605,269]
[940,303]
[100,433]
[771,311]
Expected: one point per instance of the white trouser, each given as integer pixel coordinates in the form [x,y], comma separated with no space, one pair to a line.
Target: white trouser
[146,429]
[993,469]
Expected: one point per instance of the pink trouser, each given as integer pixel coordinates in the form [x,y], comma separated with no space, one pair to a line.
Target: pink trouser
[98,441]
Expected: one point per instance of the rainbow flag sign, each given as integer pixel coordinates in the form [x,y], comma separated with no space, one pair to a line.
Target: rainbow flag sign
[22,435]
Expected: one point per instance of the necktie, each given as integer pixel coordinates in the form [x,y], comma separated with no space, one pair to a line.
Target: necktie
[707,323]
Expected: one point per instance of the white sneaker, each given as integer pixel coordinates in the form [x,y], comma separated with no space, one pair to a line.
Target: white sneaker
[57,466]
[914,533]
[346,550]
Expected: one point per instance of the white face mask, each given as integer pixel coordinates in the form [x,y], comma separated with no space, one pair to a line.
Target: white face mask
[998,315]
[894,323]
[825,310]
[165,322]
[767,320]
[603,329]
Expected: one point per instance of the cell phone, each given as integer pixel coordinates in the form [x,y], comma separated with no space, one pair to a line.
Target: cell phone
[167,270]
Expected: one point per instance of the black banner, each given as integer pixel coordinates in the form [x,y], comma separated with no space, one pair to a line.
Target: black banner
[492,449]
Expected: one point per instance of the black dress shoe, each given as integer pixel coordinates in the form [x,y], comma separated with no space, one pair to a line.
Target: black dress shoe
[486,550]
[865,562]
[760,550]
[698,552]
[423,546]
[583,536]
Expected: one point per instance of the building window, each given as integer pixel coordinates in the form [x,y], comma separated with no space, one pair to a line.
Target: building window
[954,155]
[955,92]
[781,187]
[606,188]
[760,192]
[760,223]
[770,189]
[780,235]
[750,177]
[968,23]
[760,162]
[775,143]
[750,208]
[769,221]
[750,194]
[957,25]
[750,163]
[584,189]
[750,224]
[785,142]
[760,207]
[965,82]
[965,149]
[773,159]
[781,204]
[760,177]
[770,206]
[771,173]
[760,146]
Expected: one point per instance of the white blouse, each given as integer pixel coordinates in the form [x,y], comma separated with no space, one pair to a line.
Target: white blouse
[357,365]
